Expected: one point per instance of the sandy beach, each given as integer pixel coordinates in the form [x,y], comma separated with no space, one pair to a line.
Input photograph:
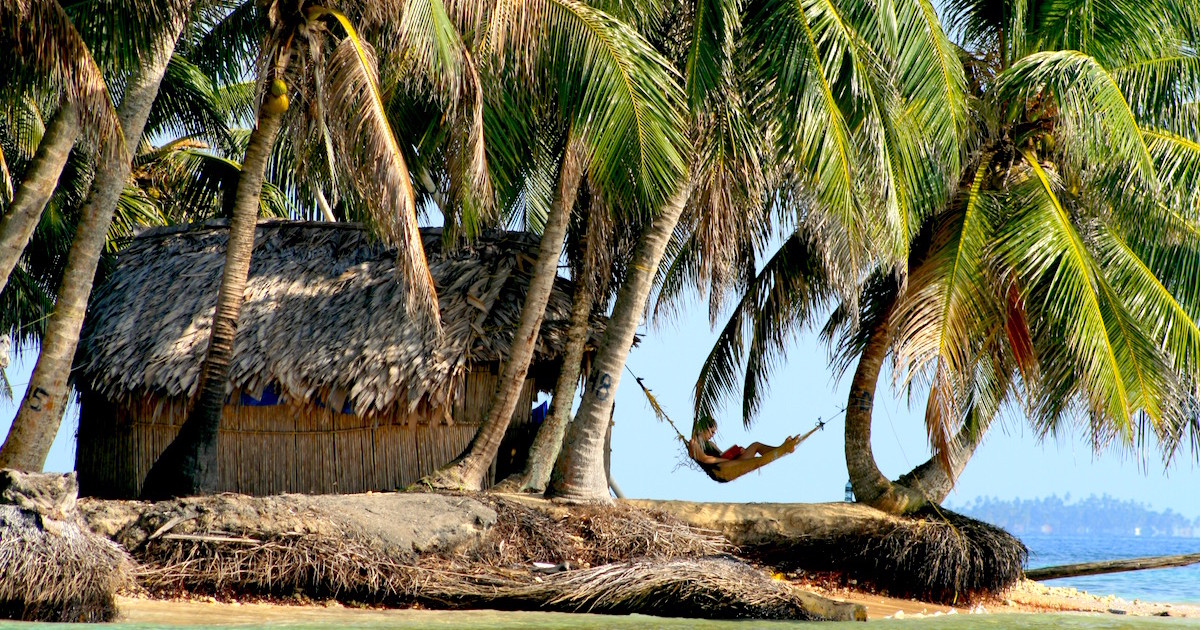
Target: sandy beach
[1026,597]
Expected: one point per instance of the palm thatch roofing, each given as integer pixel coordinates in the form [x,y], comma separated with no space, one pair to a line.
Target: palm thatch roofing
[324,318]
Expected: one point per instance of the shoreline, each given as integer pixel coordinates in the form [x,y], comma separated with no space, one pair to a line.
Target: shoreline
[507,527]
[1027,597]
[300,554]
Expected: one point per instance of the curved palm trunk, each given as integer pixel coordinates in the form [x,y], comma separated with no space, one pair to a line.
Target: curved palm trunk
[931,479]
[870,486]
[17,226]
[188,466]
[579,472]
[41,411]
[468,471]
[549,439]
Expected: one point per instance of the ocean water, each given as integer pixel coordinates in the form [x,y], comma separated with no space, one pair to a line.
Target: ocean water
[1179,584]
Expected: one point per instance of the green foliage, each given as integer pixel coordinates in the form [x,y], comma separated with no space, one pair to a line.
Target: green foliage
[1062,277]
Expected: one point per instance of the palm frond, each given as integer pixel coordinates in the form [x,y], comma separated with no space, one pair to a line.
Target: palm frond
[1156,85]
[45,47]
[187,105]
[1151,303]
[814,78]
[434,48]
[932,83]
[622,99]
[360,125]
[715,24]
[224,38]
[947,300]
[782,299]
[1095,353]
[1094,117]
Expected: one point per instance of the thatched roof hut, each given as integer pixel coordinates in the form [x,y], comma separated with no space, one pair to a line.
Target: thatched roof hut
[333,388]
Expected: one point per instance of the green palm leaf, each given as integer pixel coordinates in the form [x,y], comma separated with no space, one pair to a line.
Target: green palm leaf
[46,48]
[622,98]
[947,301]
[714,26]
[1093,115]
[1147,300]
[782,298]
[1098,355]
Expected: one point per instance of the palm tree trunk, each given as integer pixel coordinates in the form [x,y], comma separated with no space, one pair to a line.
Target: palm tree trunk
[468,471]
[188,466]
[870,486]
[548,441]
[41,411]
[935,482]
[579,472]
[17,226]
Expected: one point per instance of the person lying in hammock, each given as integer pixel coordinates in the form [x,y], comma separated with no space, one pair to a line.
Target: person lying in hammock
[735,461]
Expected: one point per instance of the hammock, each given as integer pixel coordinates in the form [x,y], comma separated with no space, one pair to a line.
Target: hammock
[730,469]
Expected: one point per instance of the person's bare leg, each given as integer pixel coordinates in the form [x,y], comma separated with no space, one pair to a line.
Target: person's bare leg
[754,450]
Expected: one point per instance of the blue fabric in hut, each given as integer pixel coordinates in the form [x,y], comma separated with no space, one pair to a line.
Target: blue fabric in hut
[269,397]
[538,415]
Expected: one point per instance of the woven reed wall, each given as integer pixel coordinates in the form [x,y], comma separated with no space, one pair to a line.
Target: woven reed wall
[289,448]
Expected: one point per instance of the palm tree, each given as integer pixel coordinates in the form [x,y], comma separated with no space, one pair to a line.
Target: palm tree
[813,68]
[594,260]
[52,55]
[336,74]
[1060,272]
[622,113]
[41,410]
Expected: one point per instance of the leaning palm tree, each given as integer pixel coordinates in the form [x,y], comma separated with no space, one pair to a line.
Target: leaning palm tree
[597,247]
[1062,270]
[313,52]
[42,408]
[832,116]
[621,109]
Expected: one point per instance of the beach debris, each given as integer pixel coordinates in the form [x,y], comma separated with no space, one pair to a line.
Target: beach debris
[52,568]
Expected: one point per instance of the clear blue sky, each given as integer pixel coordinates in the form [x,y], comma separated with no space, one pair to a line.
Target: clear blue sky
[647,456]
[1010,463]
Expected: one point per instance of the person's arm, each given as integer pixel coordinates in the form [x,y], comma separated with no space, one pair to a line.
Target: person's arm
[696,452]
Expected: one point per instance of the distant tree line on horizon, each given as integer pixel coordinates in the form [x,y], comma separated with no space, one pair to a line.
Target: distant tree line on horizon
[1096,515]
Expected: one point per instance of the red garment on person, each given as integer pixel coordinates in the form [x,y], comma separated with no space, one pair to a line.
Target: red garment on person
[733,452]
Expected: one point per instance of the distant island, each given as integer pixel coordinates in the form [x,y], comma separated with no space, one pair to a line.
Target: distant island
[1103,515]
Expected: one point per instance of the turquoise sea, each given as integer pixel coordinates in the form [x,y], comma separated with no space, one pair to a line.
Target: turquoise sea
[1179,585]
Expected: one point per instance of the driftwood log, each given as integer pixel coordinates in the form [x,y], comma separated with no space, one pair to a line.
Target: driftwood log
[1112,566]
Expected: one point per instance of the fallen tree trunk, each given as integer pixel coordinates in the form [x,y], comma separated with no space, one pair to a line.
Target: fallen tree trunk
[759,525]
[935,555]
[1112,566]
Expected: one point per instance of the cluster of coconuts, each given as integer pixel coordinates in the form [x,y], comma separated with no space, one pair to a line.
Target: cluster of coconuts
[277,99]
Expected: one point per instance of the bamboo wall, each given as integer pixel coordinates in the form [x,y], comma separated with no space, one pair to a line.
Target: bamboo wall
[290,448]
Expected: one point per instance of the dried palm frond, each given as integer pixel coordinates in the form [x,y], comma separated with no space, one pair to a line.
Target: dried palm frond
[57,571]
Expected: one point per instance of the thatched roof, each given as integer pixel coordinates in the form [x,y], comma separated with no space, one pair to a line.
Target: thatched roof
[324,316]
